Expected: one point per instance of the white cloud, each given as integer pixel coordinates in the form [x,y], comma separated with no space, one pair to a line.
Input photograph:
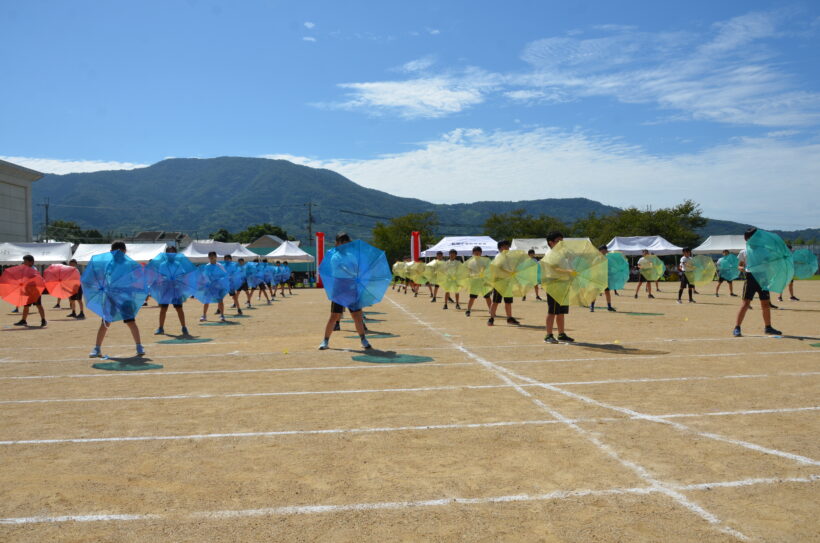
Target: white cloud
[58,166]
[433,31]
[734,181]
[309,38]
[309,25]
[419,64]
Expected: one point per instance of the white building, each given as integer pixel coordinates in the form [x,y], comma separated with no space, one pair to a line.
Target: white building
[15,202]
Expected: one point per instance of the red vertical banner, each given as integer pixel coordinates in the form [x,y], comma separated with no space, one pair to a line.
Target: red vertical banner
[415,246]
[320,255]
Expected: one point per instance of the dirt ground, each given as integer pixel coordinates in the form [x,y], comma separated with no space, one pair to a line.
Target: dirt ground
[656,425]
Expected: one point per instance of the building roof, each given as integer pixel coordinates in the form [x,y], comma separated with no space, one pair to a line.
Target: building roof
[20,172]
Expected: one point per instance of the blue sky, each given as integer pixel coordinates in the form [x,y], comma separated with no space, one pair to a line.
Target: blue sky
[628,103]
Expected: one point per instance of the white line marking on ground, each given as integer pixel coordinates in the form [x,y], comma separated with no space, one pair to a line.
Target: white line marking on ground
[375,506]
[639,357]
[637,469]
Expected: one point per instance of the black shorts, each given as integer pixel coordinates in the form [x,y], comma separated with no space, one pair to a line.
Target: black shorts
[474,296]
[752,287]
[339,309]
[554,308]
[244,286]
[684,281]
[721,279]
[77,295]
[165,306]
[497,298]
[38,302]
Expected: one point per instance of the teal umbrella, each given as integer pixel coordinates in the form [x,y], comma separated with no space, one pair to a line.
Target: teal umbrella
[769,260]
[805,264]
[617,271]
[728,267]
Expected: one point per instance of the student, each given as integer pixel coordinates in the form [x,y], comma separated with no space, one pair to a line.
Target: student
[453,260]
[556,311]
[437,268]
[531,254]
[289,279]
[721,279]
[407,281]
[684,281]
[643,263]
[163,308]
[244,286]
[750,288]
[220,304]
[234,294]
[129,312]
[28,261]
[603,250]
[76,299]
[503,246]
[792,297]
[475,268]
[336,310]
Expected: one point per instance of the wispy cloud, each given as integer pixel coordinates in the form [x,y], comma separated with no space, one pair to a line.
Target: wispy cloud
[59,166]
[309,25]
[419,64]
[309,38]
[467,165]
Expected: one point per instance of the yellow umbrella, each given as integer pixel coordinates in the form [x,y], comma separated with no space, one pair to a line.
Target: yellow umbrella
[450,274]
[399,269]
[475,279]
[654,269]
[415,271]
[431,271]
[574,272]
[700,270]
[512,273]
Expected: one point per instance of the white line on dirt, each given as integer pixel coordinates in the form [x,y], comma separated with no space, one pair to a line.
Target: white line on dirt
[375,506]
[639,357]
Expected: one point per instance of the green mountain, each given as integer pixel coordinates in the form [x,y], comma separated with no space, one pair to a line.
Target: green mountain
[199,196]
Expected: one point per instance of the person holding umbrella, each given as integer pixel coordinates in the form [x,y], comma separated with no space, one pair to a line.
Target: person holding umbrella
[28,261]
[768,266]
[172,284]
[76,299]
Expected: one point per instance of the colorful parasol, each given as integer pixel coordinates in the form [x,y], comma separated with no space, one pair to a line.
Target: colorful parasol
[115,286]
[574,272]
[617,271]
[211,283]
[21,285]
[728,267]
[475,280]
[431,271]
[450,274]
[415,272]
[62,281]
[399,269]
[512,273]
[355,275]
[769,260]
[700,270]
[653,268]
[805,264]
[172,278]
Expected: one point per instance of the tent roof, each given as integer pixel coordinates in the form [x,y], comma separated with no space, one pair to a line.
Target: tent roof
[291,252]
[634,245]
[464,245]
[43,253]
[141,252]
[198,251]
[717,244]
[265,241]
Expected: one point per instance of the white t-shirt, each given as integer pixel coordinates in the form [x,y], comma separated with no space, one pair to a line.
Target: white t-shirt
[741,258]
[643,263]
[683,261]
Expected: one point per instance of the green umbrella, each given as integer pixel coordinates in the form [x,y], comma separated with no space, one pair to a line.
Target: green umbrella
[653,270]
[617,270]
[769,260]
[574,272]
[475,280]
[805,264]
[700,270]
[450,274]
[728,267]
[513,273]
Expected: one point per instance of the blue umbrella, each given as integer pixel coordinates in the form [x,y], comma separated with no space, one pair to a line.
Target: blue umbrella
[265,272]
[355,275]
[286,273]
[236,276]
[769,260]
[211,283]
[805,264]
[172,278]
[115,286]
[251,275]
[617,270]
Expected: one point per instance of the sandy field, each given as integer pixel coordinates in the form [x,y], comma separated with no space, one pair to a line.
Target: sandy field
[656,425]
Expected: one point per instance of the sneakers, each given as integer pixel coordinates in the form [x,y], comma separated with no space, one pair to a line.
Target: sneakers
[21,322]
[650,296]
[185,331]
[772,331]
[202,318]
[323,345]
[592,308]
[140,350]
[717,295]
[610,308]
[95,352]
[222,318]
[513,321]
[550,339]
[524,299]
[81,316]
[539,298]
[467,312]
[780,298]
[636,296]
[72,315]
[564,337]
[794,298]
[43,323]
[238,311]
[490,321]
[366,344]
[733,295]
[458,306]
[445,306]
[56,306]
[736,332]
[680,301]
[433,300]
[159,331]
[692,302]
[772,306]
[15,310]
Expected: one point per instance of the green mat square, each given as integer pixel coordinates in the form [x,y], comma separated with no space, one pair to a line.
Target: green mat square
[218,323]
[126,366]
[179,340]
[374,335]
[814,345]
[391,358]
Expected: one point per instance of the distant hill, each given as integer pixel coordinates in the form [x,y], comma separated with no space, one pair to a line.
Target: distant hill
[200,196]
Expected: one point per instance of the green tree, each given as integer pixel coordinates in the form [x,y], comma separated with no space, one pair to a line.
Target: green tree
[70,231]
[256,231]
[394,237]
[221,235]
[518,224]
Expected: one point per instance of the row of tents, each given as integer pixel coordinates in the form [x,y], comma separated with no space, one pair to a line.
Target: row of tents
[197,252]
[630,245]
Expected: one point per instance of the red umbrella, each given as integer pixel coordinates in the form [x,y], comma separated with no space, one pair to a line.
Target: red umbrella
[21,285]
[62,281]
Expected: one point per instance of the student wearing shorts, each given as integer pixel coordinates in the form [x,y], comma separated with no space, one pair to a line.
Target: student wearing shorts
[556,311]
[76,299]
[643,262]
[721,279]
[503,245]
[163,308]
[473,297]
[28,261]
[604,250]
[684,281]
[750,288]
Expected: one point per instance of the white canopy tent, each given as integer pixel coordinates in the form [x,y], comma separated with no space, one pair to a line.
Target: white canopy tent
[43,253]
[198,251]
[141,252]
[718,244]
[464,245]
[291,252]
[539,245]
[634,245]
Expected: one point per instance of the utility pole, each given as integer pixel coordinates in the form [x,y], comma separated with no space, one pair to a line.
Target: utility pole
[45,206]
[310,223]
